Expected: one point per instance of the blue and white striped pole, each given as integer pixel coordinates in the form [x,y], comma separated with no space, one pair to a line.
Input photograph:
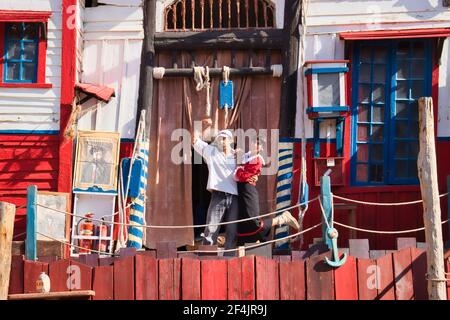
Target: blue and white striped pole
[137,209]
[284,188]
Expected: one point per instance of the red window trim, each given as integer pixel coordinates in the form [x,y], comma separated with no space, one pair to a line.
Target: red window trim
[25,16]
[396,34]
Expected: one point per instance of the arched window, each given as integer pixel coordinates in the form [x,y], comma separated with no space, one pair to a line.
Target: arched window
[219,14]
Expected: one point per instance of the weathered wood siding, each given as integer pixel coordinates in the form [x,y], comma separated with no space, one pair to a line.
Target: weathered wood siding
[112,45]
[34,109]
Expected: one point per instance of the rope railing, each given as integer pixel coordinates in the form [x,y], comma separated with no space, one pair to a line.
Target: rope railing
[385,203]
[255,245]
[185,226]
[75,246]
[383,232]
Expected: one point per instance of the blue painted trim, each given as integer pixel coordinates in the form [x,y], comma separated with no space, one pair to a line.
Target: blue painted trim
[339,137]
[290,140]
[30,241]
[48,132]
[94,190]
[316,140]
[325,70]
[389,174]
[21,61]
[127,140]
[328,109]
[443,138]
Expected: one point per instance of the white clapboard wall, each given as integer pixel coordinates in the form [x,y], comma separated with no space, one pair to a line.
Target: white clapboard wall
[31,109]
[327,18]
[112,45]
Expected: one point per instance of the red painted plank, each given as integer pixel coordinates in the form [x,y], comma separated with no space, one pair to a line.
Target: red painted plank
[16,275]
[18,153]
[267,280]
[103,283]
[146,277]
[36,165]
[368,279]
[214,279]
[248,278]
[320,280]
[80,276]
[169,279]
[345,280]
[59,273]
[124,279]
[386,283]
[419,269]
[234,268]
[403,275]
[241,283]
[190,279]
[292,280]
[32,270]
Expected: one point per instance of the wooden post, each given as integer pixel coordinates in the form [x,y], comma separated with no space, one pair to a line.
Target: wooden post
[7,213]
[325,198]
[448,212]
[427,170]
[30,242]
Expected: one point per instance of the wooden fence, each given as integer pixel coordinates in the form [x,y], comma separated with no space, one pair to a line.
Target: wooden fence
[398,275]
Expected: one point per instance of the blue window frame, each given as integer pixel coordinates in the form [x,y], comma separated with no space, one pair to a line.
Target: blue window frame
[388,78]
[21,52]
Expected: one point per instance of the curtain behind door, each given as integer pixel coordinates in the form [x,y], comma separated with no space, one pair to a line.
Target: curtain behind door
[177,104]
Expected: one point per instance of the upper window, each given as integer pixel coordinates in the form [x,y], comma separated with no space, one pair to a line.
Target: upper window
[388,79]
[21,52]
[219,14]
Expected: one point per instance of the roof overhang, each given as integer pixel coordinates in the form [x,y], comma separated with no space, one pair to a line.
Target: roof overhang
[396,34]
[99,92]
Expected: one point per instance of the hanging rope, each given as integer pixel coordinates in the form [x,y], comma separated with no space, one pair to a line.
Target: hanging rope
[385,203]
[158,72]
[226,74]
[277,70]
[201,77]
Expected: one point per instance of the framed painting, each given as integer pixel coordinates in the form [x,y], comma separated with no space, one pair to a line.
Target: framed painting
[50,222]
[96,161]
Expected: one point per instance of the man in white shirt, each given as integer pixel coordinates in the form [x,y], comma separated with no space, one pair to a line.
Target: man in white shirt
[221,161]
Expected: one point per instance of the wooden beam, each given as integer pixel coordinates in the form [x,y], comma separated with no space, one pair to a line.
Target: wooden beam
[7,214]
[217,72]
[238,39]
[145,97]
[427,169]
[291,43]
[53,295]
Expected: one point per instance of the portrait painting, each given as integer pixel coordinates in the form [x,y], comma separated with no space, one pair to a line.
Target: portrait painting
[97,161]
[51,220]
